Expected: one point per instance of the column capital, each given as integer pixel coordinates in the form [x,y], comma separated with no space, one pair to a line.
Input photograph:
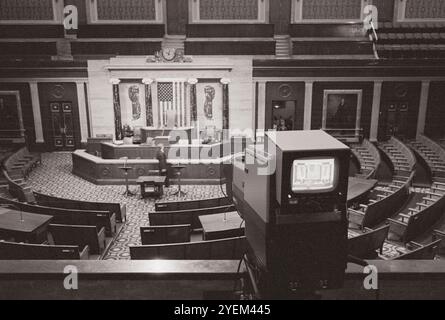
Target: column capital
[192,81]
[147,81]
[115,81]
[225,80]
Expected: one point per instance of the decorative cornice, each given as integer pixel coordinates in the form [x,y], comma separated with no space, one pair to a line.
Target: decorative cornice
[115,81]
[147,81]
[225,81]
[192,81]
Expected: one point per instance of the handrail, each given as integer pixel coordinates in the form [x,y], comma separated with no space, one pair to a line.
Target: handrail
[141,279]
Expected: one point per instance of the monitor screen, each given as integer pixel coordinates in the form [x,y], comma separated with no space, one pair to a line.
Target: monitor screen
[312,175]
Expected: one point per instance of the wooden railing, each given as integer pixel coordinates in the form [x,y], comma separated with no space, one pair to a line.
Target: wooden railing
[119,280]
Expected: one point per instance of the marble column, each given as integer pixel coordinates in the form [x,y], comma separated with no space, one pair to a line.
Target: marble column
[83,117]
[117,110]
[193,102]
[148,101]
[226,105]
[423,105]
[375,113]
[38,127]
[307,124]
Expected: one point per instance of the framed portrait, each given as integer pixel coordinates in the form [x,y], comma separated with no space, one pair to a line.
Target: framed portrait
[342,110]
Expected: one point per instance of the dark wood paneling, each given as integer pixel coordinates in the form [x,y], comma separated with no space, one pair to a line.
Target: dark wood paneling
[386,9]
[46,95]
[121,31]
[326,30]
[230,30]
[42,68]
[31,31]
[29,48]
[280,13]
[108,173]
[115,48]
[230,48]
[435,116]
[348,68]
[297,94]
[177,16]
[28,116]
[391,94]
[367,98]
[332,47]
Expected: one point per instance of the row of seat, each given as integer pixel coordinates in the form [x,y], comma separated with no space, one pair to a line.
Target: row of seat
[166,234]
[432,153]
[20,163]
[192,204]
[409,225]
[424,26]
[368,157]
[82,228]
[366,244]
[417,36]
[18,188]
[384,203]
[417,251]
[188,212]
[411,40]
[119,210]
[419,220]
[22,251]
[225,249]
[402,158]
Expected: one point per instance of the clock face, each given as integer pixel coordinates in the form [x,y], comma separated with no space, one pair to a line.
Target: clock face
[169,53]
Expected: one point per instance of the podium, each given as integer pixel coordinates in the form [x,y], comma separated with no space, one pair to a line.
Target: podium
[151,186]
[127,192]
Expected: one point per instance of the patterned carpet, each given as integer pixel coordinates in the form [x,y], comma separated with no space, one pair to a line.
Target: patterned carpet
[54,177]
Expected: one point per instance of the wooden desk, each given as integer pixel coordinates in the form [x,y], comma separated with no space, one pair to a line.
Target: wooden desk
[157,182]
[215,227]
[31,230]
[358,188]
[155,132]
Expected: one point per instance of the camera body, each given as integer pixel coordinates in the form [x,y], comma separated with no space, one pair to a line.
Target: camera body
[293,197]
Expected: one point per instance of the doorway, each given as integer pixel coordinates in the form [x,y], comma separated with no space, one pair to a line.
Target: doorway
[62,126]
[395,120]
[285,104]
[284,115]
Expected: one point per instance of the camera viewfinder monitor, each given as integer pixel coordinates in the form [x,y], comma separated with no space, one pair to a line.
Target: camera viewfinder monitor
[312,170]
[314,175]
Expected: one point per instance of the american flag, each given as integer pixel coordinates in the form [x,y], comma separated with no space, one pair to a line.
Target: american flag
[171,97]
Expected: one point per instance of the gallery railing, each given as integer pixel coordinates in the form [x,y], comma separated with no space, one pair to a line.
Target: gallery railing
[165,279]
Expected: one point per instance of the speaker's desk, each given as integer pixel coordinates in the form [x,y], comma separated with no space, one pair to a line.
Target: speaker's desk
[174,152]
[173,133]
